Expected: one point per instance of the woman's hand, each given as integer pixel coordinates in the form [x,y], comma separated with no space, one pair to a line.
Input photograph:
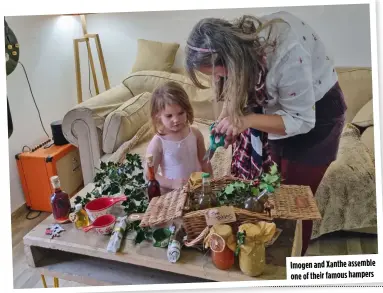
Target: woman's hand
[230,130]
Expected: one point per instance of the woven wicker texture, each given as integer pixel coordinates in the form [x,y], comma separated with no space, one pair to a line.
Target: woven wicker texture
[295,202]
[164,208]
[289,201]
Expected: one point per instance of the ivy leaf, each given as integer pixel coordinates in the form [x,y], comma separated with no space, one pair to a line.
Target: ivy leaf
[130,207]
[96,193]
[254,191]
[240,241]
[99,177]
[105,189]
[88,195]
[148,234]
[114,188]
[273,178]
[135,225]
[239,184]
[142,206]
[140,237]
[273,169]
[229,189]
[140,178]
[263,185]
[103,165]
[137,194]
[127,192]
[77,199]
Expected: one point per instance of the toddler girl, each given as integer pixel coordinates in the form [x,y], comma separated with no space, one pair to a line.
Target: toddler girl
[177,147]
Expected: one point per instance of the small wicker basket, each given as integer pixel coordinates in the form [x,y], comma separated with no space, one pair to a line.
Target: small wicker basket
[291,202]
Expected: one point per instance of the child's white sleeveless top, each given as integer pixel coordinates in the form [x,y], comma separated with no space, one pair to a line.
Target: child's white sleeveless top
[180,158]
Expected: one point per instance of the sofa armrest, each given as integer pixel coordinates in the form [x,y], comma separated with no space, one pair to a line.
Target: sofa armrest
[106,102]
[82,126]
[79,128]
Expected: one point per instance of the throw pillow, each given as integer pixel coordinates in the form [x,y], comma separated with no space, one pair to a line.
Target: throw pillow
[365,116]
[152,55]
[123,123]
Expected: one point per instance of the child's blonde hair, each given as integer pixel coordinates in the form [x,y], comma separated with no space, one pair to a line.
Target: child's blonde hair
[169,93]
[238,47]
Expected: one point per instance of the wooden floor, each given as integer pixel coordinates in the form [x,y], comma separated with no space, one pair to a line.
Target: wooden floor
[23,275]
[26,277]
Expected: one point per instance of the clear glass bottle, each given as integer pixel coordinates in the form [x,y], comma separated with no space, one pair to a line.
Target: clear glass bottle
[153,188]
[60,202]
[175,243]
[82,219]
[207,198]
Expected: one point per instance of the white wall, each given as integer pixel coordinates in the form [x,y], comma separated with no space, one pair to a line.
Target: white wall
[47,52]
[344,28]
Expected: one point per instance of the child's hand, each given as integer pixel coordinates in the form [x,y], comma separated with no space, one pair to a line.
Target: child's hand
[178,183]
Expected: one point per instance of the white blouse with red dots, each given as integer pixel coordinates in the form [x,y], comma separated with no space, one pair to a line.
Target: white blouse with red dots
[300,73]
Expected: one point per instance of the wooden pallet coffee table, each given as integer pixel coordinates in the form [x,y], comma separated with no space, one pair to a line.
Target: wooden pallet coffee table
[82,257]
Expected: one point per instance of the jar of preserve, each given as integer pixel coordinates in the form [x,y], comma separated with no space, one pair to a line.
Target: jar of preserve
[222,244]
[252,254]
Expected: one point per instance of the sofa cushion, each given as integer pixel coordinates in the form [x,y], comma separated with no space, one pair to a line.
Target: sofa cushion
[122,124]
[368,139]
[153,55]
[201,99]
[356,84]
[365,116]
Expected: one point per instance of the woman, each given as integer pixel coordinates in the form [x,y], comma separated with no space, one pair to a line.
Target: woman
[280,92]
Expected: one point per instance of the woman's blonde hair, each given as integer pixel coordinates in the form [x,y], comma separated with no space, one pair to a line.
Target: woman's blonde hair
[169,93]
[237,47]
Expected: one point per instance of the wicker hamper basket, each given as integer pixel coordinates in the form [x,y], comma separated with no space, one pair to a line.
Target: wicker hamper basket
[291,202]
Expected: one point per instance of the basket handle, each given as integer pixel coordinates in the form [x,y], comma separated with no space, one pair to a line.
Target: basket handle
[198,239]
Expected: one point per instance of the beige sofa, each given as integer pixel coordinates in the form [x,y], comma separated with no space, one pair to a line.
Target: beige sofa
[116,121]
[101,125]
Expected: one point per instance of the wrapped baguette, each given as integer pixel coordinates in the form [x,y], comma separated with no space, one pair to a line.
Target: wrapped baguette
[117,235]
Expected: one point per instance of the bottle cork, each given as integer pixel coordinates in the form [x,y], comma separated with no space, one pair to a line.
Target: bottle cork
[55,181]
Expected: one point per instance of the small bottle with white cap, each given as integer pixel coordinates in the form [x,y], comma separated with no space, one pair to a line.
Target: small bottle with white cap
[81,217]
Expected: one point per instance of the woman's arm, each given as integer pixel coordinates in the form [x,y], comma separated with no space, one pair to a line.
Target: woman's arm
[206,166]
[155,149]
[265,123]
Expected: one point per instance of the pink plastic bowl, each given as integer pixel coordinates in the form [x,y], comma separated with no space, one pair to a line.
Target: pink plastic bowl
[101,206]
[103,225]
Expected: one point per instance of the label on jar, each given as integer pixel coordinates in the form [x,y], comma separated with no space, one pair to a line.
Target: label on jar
[174,251]
[220,215]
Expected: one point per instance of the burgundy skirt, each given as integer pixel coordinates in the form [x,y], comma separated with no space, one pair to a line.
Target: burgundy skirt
[319,146]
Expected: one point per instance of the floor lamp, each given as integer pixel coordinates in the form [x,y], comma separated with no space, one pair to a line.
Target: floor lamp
[86,38]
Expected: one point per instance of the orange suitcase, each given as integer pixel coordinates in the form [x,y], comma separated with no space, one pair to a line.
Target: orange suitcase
[37,167]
